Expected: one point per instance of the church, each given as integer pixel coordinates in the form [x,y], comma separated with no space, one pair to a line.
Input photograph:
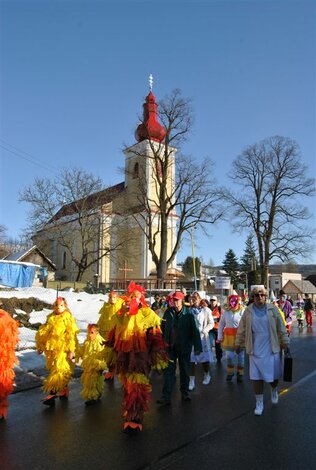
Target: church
[128,213]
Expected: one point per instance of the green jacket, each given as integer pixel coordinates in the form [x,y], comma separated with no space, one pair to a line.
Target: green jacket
[180,332]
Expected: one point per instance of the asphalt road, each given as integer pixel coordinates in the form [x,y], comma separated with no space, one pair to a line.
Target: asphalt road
[217,430]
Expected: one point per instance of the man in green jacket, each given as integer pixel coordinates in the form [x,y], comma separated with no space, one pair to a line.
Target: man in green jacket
[180,333]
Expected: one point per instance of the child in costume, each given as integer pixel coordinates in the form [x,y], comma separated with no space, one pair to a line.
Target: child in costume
[107,321]
[57,338]
[93,363]
[137,341]
[227,331]
[8,341]
[300,317]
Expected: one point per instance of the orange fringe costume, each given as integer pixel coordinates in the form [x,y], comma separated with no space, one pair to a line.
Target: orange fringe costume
[8,341]
[57,338]
[137,341]
[93,363]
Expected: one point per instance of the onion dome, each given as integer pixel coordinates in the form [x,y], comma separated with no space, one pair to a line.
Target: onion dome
[150,128]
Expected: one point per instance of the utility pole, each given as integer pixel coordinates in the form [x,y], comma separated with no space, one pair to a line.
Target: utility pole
[193,259]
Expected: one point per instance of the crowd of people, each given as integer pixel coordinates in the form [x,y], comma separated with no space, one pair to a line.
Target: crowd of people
[132,338]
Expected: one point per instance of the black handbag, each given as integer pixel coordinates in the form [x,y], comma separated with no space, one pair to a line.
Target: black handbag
[287,368]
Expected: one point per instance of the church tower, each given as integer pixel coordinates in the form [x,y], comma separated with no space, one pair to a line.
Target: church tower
[147,162]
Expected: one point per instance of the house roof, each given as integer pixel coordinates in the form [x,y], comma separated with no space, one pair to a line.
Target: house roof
[312,279]
[306,287]
[19,256]
[93,201]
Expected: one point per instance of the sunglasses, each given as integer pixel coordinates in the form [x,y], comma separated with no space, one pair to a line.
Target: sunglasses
[260,295]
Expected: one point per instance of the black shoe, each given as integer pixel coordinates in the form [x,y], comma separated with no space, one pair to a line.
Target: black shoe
[49,400]
[163,401]
[229,377]
[186,397]
[240,378]
[91,402]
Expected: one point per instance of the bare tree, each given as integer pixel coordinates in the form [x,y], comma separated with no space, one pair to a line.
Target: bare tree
[9,244]
[3,241]
[73,210]
[187,197]
[273,182]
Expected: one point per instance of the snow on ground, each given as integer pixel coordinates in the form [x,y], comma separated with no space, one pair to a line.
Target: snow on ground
[84,307]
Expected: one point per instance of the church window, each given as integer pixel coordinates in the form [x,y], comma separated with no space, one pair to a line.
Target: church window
[159,169]
[136,170]
[64,260]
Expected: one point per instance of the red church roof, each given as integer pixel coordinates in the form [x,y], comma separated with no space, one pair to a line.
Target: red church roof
[150,128]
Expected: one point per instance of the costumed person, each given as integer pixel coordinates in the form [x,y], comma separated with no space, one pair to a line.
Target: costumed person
[287,310]
[309,310]
[8,341]
[106,323]
[93,364]
[274,301]
[262,332]
[299,313]
[227,331]
[205,323]
[216,313]
[57,339]
[300,317]
[136,339]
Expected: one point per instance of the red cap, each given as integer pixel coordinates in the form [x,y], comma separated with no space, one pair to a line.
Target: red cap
[178,295]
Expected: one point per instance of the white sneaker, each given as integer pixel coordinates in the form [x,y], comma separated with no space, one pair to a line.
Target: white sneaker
[192,383]
[259,408]
[274,396]
[207,378]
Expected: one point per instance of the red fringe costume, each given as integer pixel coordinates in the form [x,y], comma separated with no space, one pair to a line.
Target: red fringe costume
[8,341]
[136,339]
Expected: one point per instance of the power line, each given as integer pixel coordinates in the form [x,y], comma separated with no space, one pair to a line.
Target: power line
[28,157]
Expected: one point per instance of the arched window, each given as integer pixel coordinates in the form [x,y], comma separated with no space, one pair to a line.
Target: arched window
[64,260]
[136,170]
[159,169]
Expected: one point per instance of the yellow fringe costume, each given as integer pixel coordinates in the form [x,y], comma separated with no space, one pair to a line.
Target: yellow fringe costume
[93,363]
[57,338]
[106,323]
[8,341]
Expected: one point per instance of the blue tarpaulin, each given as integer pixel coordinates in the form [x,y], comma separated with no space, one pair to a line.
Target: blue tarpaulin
[14,274]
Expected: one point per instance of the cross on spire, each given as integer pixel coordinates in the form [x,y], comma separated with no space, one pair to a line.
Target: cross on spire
[151,81]
[125,270]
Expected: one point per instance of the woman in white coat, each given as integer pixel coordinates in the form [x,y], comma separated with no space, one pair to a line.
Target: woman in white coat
[262,332]
[205,322]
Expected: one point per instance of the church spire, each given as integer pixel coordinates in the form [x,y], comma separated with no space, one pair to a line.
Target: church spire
[150,128]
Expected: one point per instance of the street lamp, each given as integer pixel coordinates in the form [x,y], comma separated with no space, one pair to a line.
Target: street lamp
[193,258]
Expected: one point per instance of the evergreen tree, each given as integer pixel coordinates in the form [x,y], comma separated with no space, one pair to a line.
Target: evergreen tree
[231,266]
[248,262]
[188,269]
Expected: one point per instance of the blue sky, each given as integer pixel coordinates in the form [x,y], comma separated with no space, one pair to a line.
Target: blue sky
[74,75]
